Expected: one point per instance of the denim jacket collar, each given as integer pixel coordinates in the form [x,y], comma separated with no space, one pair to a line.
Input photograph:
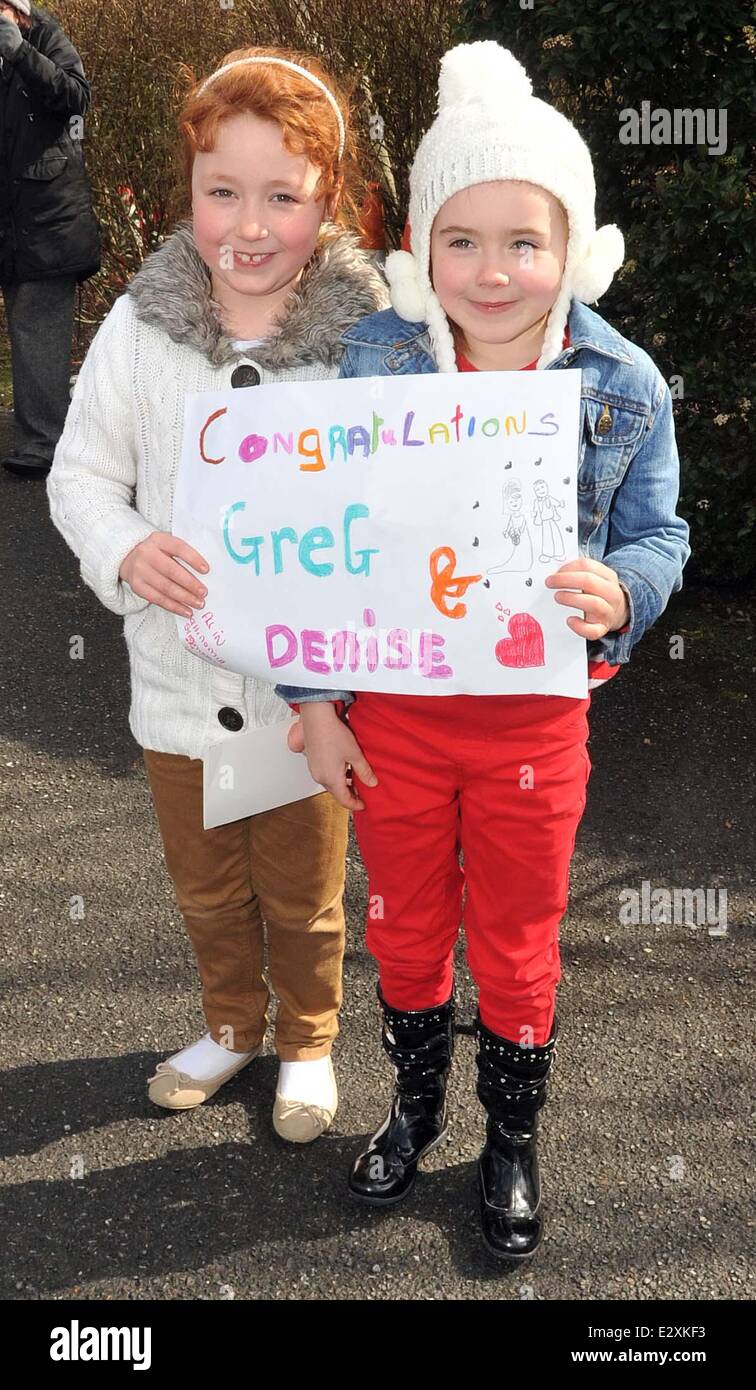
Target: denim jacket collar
[587,330]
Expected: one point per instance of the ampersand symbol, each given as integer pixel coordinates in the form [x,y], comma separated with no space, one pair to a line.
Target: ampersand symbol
[444,585]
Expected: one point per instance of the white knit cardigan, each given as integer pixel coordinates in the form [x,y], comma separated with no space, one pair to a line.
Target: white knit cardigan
[114,470]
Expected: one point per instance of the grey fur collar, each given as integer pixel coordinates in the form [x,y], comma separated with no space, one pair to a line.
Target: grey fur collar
[172,291]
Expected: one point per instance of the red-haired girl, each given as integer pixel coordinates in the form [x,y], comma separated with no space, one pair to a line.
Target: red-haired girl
[256,286]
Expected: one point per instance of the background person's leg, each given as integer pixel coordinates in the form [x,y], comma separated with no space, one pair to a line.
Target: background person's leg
[40,317]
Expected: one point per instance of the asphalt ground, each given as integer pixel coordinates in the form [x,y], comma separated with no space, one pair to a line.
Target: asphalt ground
[647,1171]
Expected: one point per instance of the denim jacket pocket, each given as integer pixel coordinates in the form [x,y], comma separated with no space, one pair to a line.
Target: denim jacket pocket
[408,360]
[611,435]
[412,357]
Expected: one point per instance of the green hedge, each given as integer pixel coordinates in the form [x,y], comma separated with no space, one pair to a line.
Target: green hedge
[686,292]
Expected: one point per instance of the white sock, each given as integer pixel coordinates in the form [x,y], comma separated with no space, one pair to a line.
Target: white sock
[205,1059]
[309,1082]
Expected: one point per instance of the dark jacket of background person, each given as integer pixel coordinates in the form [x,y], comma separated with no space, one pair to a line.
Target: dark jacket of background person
[47,226]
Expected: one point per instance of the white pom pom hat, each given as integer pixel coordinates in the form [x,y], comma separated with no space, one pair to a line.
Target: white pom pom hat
[489,127]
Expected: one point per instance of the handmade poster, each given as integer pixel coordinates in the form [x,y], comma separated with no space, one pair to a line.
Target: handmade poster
[389,534]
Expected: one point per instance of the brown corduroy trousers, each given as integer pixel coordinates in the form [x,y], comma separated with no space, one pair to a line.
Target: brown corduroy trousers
[284,868]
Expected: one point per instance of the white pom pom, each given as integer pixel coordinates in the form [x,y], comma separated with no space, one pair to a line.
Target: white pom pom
[483,72]
[407,295]
[603,257]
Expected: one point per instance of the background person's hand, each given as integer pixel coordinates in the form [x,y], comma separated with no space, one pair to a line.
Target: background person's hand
[153,572]
[11,37]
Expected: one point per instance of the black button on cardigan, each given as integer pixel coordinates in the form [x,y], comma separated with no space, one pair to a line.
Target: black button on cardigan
[245,375]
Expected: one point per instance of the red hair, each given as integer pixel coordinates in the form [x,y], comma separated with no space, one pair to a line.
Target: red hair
[304,114]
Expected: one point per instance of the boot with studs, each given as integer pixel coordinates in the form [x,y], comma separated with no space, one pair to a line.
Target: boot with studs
[512,1084]
[420,1044]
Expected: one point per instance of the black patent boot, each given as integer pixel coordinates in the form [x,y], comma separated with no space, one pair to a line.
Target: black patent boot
[512,1088]
[420,1044]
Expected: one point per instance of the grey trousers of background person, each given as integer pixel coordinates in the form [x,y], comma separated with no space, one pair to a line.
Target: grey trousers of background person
[40,318]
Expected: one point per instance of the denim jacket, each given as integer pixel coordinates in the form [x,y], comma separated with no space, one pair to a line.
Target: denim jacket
[629,470]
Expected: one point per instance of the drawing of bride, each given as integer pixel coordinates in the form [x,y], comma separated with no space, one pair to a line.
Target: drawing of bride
[519,556]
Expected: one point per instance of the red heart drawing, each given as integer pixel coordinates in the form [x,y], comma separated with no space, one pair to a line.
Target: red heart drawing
[524,645]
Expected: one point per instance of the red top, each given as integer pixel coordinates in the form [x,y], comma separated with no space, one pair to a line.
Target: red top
[464,366]
[598,671]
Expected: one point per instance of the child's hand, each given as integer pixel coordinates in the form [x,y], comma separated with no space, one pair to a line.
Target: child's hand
[153,572]
[331,749]
[295,737]
[604,605]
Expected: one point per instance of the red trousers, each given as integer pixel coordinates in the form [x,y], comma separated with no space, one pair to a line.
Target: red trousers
[503,779]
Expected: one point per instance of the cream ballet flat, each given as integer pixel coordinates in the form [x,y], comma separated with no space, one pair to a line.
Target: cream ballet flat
[299,1122]
[175,1090]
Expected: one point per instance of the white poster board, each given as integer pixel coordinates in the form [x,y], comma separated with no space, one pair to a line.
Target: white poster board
[388,534]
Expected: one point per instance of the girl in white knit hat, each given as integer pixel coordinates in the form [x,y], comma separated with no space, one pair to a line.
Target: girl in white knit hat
[504,258]
[256,286]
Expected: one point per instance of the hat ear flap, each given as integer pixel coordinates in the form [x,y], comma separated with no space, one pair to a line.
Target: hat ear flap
[407,295]
[603,257]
